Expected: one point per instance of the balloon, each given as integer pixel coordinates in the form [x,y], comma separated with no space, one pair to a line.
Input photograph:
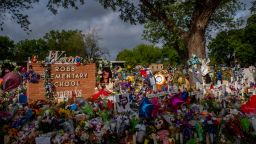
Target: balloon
[145,108]
[175,101]
[219,75]
[184,95]
[77,59]
[11,81]
[23,69]
[23,99]
[73,107]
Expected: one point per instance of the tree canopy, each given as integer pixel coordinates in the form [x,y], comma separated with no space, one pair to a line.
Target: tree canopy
[235,45]
[147,54]
[73,42]
[70,41]
[28,48]
[179,23]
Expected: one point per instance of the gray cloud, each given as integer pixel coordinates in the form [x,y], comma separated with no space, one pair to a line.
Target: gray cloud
[116,35]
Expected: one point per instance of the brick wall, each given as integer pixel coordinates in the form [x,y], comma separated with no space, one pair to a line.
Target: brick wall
[86,84]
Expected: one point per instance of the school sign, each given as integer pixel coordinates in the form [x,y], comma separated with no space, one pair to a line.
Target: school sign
[68,78]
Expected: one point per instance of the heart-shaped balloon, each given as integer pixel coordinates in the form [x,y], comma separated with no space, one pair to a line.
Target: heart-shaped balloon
[11,81]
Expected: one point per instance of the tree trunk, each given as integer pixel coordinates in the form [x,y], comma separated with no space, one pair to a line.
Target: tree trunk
[196,44]
[195,39]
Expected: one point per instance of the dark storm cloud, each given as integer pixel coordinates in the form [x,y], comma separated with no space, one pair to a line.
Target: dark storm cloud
[116,35]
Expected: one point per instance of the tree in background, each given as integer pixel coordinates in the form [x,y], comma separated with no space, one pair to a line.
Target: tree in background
[71,41]
[6,48]
[141,54]
[91,45]
[27,48]
[235,45]
[147,54]
[170,56]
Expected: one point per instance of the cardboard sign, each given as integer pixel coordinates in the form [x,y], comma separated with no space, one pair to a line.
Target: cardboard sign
[69,80]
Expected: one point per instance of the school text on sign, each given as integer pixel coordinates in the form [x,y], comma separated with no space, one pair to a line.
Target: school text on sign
[68,79]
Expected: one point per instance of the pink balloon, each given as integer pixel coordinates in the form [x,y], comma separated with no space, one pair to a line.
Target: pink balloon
[175,101]
[11,81]
[23,69]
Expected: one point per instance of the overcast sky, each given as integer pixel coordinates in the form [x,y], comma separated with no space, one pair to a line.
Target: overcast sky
[116,35]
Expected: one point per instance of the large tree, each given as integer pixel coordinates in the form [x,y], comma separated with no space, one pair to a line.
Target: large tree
[182,21]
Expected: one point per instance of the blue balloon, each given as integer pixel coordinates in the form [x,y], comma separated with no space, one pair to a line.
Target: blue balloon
[219,75]
[78,59]
[73,107]
[23,99]
[145,108]
[184,95]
